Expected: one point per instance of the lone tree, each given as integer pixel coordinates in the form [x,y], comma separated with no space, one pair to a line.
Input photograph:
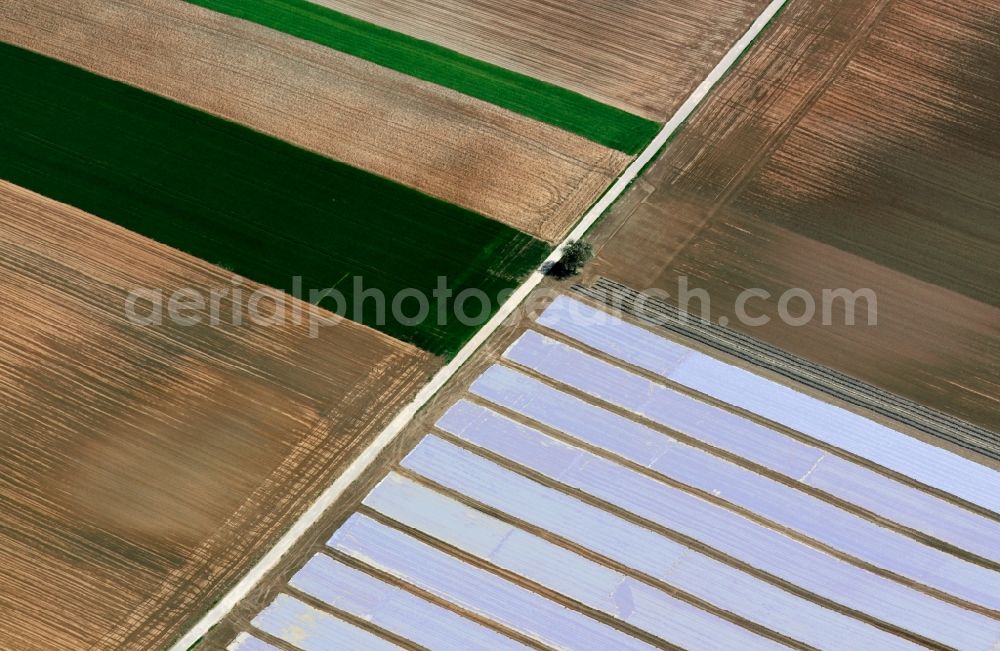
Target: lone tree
[575,255]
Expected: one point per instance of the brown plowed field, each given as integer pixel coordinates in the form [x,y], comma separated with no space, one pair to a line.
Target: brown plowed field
[143,469]
[856,146]
[533,176]
[643,57]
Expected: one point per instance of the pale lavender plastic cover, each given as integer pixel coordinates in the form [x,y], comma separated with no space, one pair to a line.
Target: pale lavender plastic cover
[393,609]
[247,642]
[778,502]
[475,589]
[557,568]
[736,386]
[641,549]
[756,443]
[311,629]
[728,532]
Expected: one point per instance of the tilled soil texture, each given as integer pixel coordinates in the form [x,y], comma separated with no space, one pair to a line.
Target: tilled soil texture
[535,177]
[645,58]
[144,469]
[855,147]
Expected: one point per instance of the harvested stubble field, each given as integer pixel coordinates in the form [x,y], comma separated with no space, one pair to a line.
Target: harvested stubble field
[644,58]
[266,209]
[143,469]
[532,176]
[855,147]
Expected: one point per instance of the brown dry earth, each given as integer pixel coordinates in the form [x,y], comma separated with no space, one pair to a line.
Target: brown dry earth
[535,177]
[643,57]
[856,146]
[144,469]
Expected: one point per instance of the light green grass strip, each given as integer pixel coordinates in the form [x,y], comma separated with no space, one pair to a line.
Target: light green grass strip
[263,208]
[519,93]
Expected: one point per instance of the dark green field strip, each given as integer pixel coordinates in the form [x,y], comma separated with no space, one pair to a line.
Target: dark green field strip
[519,93]
[232,196]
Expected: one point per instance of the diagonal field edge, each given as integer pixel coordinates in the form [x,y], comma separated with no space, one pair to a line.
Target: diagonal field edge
[406,414]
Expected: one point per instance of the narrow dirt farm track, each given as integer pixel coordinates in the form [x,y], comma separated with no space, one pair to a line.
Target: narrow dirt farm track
[143,469]
[855,147]
[532,176]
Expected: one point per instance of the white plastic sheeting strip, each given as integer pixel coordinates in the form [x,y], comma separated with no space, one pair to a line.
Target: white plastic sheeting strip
[643,550]
[556,568]
[820,420]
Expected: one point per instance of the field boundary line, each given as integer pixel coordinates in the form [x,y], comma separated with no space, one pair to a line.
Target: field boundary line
[367,456]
